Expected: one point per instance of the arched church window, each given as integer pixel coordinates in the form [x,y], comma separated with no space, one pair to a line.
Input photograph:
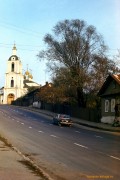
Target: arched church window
[12,83]
[12,67]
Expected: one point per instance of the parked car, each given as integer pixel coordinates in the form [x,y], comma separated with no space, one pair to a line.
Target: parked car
[62,119]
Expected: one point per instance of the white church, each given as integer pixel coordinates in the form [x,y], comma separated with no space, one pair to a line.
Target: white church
[16,83]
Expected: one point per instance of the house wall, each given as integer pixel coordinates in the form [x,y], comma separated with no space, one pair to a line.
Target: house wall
[112,88]
[108,113]
[107,116]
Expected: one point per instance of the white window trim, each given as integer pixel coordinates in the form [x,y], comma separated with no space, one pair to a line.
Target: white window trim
[112,105]
[107,105]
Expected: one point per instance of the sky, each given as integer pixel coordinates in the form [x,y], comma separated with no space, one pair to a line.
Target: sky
[26,22]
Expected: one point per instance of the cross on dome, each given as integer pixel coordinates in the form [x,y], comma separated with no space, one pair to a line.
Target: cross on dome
[14,50]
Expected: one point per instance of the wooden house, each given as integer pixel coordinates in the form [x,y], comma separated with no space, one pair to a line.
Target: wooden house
[110,96]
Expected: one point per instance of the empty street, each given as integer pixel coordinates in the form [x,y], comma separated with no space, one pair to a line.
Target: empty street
[70,153]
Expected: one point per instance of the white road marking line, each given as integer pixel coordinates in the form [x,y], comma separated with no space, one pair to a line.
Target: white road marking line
[53,136]
[22,123]
[13,119]
[17,121]
[77,131]
[81,145]
[30,127]
[115,157]
[98,136]
[40,131]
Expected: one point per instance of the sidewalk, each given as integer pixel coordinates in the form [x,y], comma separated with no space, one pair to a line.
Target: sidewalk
[12,165]
[76,121]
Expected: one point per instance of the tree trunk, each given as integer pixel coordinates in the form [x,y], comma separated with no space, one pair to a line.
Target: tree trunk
[80,97]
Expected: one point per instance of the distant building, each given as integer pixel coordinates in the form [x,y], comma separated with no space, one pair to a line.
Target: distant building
[16,83]
[110,97]
[1,95]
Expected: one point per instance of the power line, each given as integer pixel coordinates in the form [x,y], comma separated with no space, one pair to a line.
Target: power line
[37,46]
[8,46]
[19,29]
[19,45]
[29,32]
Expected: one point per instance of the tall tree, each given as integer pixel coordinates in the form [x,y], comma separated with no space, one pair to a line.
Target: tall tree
[73,46]
[101,68]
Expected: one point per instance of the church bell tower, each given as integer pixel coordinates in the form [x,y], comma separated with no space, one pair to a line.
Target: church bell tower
[13,88]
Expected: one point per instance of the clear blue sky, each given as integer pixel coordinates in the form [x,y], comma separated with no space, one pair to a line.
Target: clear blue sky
[25,22]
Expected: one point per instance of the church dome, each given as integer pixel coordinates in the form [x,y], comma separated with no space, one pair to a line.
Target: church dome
[13,57]
[27,73]
[30,76]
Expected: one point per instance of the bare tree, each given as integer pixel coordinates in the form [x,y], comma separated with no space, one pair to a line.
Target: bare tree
[73,46]
[101,68]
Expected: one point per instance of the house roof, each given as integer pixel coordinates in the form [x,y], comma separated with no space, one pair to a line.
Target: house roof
[33,92]
[29,83]
[111,77]
[116,77]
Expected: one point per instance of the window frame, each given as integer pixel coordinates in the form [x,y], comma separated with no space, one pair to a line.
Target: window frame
[12,83]
[107,104]
[112,105]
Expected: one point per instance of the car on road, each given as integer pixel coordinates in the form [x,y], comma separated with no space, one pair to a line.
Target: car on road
[62,119]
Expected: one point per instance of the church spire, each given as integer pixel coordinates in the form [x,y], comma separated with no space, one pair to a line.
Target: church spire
[14,50]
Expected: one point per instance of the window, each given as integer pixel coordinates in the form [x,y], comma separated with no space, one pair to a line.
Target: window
[12,83]
[112,105]
[106,105]
[12,67]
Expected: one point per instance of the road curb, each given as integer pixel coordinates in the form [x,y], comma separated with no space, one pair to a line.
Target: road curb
[33,164]
[97,127]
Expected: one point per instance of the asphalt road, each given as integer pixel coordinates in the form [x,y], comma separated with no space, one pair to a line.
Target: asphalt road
[71,153]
